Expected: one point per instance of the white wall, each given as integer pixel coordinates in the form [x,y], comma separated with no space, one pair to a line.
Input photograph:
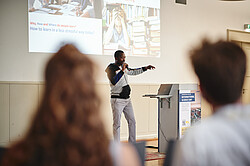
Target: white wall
[181,25]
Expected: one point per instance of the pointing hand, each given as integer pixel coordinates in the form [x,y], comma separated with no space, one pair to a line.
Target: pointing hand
[150,67]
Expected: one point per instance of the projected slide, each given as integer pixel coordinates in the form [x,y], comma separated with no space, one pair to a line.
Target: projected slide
[97,27]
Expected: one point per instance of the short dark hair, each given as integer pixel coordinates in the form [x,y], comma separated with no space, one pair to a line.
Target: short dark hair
[221,68]
[118,53]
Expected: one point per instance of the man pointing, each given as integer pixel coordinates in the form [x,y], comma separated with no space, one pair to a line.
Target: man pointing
[120,93]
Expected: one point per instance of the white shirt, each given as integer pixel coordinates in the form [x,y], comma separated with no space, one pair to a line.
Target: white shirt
[222,139]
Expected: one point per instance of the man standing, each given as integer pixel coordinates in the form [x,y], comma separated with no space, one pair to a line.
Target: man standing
[223,138]
[120,93]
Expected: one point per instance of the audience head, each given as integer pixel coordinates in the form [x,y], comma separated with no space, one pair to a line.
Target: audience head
[67,128]
[221,68]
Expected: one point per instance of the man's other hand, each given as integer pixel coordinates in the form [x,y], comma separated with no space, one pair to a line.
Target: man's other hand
[150,67]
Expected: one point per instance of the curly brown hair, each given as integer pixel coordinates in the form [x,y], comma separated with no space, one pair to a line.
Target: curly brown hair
[67,129]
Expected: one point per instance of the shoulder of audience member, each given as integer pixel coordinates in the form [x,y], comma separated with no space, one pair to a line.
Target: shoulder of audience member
[129,156]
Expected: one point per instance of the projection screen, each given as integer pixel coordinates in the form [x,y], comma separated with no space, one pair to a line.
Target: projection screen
[98,27]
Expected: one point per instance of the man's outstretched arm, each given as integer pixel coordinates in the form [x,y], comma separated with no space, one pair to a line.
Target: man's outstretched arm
[137,71]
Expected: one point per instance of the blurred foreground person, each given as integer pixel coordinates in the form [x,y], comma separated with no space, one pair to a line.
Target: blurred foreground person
[67,129]
[223,138]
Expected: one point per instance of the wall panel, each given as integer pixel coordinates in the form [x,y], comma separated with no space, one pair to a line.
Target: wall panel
[153,108]
[23,103]
[4,113]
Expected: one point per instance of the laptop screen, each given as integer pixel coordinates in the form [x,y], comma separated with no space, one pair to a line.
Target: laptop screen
[164,89]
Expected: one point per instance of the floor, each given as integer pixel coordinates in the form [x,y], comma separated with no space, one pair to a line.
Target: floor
[153,162]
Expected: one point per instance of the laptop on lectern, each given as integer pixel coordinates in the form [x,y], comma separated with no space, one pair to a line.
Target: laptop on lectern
[163,90]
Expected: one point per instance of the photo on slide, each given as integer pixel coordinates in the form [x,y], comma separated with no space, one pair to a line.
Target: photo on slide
[133,27]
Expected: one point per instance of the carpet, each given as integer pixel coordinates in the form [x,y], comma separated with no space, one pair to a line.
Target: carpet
[154,156]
